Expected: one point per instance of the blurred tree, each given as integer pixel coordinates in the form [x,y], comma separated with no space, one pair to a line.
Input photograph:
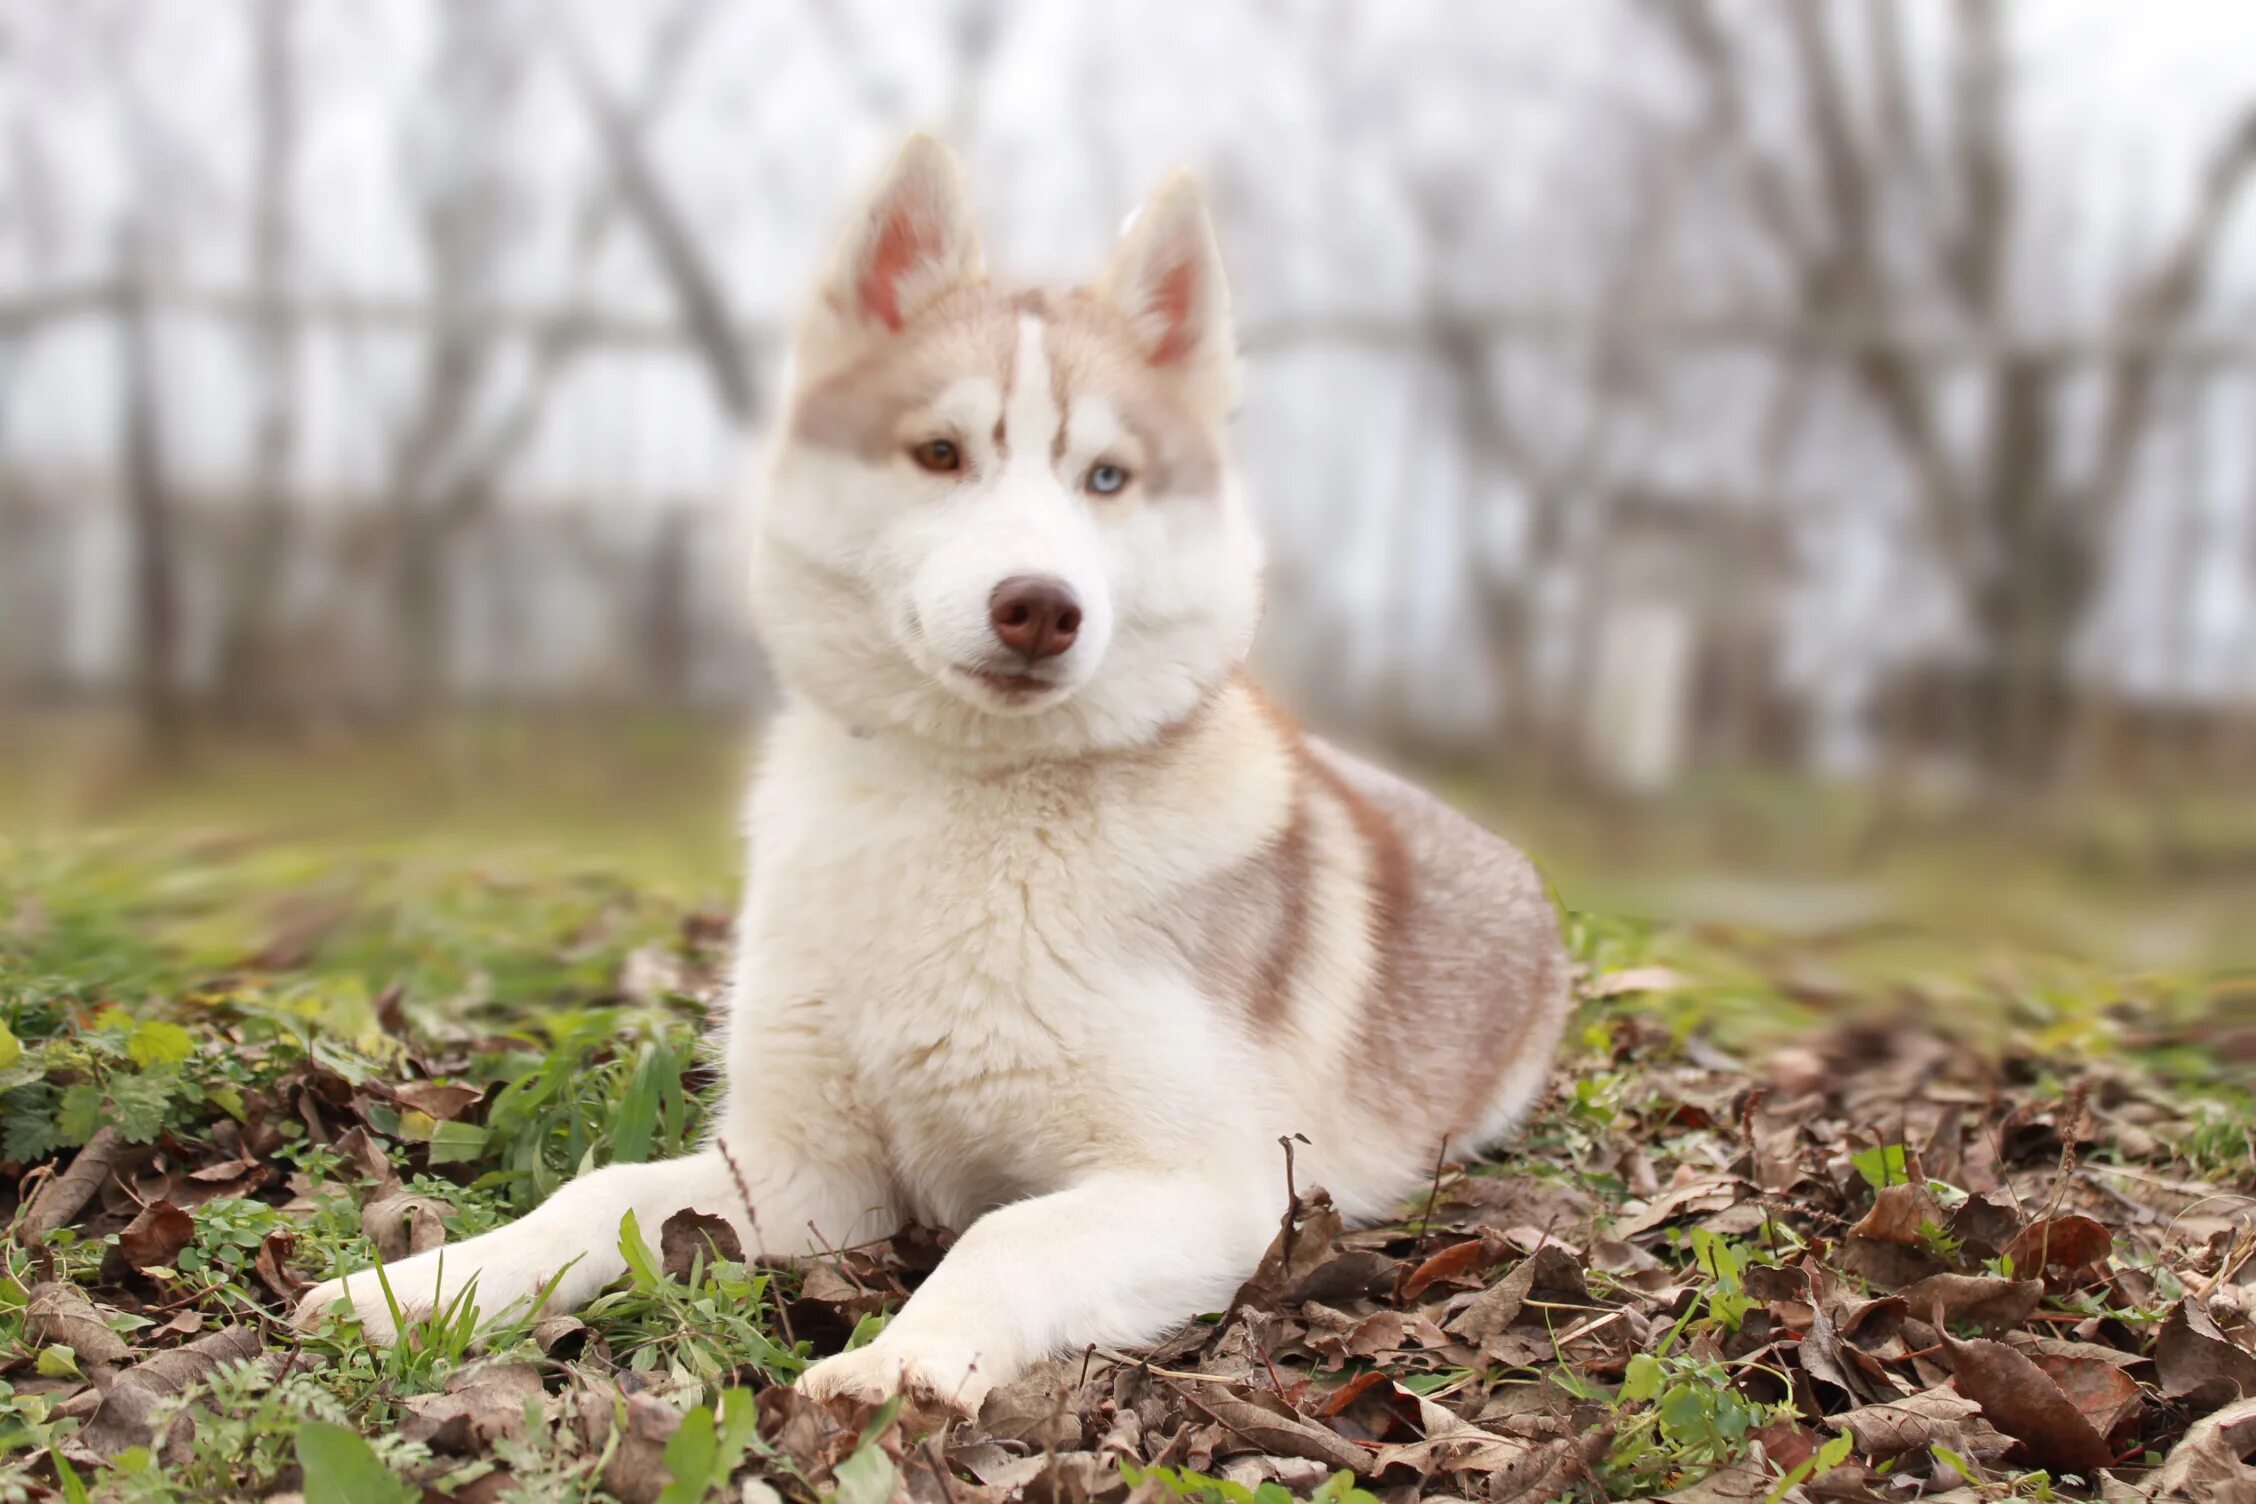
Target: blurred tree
[1898,213]
[250,628]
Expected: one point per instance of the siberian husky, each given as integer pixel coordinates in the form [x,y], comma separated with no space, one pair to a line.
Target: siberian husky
[1055,926]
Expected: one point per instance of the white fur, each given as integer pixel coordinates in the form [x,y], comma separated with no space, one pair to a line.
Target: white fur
[954,996]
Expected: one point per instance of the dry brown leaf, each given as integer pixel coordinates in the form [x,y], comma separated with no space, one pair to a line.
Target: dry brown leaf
[1040,1409]
[2210,1466]
[2069,1242]
[1890,1266]
[402,1225]
[2020,1399]
[151,1240]
[637,1428]
[273,1265]
[2194,1358]
[444,1100]
[57,1311]
[1633,979]
[1984,1225]
[1695,1198]
[1450,1445]
[1548,1272]
[1345,1275]
[1898,1213]
[688,1236]
[1452,1263]
[63,1197]
[1788,1444]
[1989,1302]
[364,1155]
[1263,1423]
[1825,1356]
[478,1404]
[128,1411]
[1932,1417]
[2106,1395]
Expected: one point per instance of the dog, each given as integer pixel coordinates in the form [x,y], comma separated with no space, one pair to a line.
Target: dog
[1054,925]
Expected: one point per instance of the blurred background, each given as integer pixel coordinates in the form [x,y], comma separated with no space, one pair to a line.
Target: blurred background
[1789,463]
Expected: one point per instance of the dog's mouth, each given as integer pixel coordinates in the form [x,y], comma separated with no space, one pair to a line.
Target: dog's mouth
[1010,688]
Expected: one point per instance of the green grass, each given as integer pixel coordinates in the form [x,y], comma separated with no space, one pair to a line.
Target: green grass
[220,959]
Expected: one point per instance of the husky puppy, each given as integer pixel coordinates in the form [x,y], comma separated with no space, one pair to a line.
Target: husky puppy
[1054,924]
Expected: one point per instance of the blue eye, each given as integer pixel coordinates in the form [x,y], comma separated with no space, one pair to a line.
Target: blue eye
[1106,480]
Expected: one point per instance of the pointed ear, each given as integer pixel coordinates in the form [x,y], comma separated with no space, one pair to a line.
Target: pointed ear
[910,242]
[1166,277]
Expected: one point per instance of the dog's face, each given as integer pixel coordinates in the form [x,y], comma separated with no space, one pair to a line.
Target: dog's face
[1008,522]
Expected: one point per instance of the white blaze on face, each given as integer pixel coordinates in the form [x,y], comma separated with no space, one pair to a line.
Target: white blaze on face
[1031,418]
[1021,518]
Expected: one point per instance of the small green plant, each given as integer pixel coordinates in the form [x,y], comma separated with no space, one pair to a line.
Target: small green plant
[1722,1261]
[1695,1420]
[1200,1488]
[1882,1166]
[712,1329]
[711,1441]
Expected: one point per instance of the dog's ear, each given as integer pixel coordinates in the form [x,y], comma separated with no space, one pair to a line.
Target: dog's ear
[912,241]
[1166,276]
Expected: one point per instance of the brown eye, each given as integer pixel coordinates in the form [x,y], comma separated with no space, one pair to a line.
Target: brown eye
[1106,480]
[940,456]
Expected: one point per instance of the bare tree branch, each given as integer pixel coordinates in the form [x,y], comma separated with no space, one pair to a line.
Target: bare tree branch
[697,289]
[2161,303]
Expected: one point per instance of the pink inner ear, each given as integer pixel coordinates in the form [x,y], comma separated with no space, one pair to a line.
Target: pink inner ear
[901,245]
[1171,299]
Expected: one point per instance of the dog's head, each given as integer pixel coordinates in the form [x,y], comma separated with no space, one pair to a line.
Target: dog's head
[1002,521]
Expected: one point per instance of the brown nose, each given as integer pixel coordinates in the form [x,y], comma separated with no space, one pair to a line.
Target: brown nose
[1034,616]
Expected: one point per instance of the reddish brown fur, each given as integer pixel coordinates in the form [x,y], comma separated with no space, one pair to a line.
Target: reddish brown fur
[1445,1007]
[1288,859]
[973,330]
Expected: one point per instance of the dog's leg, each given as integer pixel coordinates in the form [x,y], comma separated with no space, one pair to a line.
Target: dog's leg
[573,1237]
[1117,1260]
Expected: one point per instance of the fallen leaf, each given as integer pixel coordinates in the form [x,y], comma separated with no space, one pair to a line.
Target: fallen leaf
[1039,1410]
[128,1412]
[1989,1302]
[2021,1400]
[1984,1225]
[1788,1444]
[688,1236]
[443,1100]
[2069,1242]
[1548,1271]
[635,1429]
[1890,1266]
[1452,1263]
[2210,1466]
[479,1404]
[1898,1213]
[402,1225]
[273,1265]
[1262,1421]
[1692,1199]
[62,1198]
[1633,979]
[153,1239]
[1450,1445]
[2194,1359]
[57,1311]
[2106,1395]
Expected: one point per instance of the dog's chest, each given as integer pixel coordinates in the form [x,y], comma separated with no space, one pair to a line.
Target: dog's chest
[971,972]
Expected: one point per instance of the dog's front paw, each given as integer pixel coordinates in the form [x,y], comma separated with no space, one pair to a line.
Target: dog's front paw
[944,1372]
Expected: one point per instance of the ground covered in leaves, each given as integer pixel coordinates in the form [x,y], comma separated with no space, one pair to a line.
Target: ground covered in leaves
[1839,1217]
